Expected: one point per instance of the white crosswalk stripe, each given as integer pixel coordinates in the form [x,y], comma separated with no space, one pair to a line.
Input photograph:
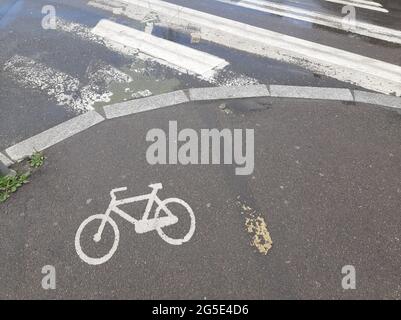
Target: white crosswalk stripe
[365,29]
[177,55]
[369,3]
[364,2]
[342,65]
[361,4]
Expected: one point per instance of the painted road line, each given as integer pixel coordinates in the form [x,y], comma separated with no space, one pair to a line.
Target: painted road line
[85,33]
[217,93]
[54,135]
[339,64]
[63,88]
[378,99]
[179,56]
[148,222]
[146,104]
[365,29]
[369,3]
[359,4]
[311,93]
[5,160]
[11,13]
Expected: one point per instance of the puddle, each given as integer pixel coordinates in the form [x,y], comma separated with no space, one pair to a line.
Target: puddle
[138,78]
[145,81]
[182,35]
[104,84]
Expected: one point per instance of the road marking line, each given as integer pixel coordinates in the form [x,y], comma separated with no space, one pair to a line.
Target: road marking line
[146,104]
[369,3]
[65,89]
[11,14]
[339,64]
[5,160]
[379,99]
[33,74]
[359,4]
[85,33]
[179,56]
[217,93]
[365,29]
[143,225]
[53,136]
[311,93]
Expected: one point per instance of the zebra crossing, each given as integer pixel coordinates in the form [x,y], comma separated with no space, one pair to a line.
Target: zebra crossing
[342,65]
[330,20]
[177,55]
[370,5]
[348,67]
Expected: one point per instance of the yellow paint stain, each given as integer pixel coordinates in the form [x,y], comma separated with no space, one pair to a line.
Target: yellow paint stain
[261,236]
[256,226]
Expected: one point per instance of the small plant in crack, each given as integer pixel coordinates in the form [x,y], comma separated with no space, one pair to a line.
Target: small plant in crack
[10,184]
[37,160]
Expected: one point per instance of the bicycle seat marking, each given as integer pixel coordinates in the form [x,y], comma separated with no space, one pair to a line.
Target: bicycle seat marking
[144,225]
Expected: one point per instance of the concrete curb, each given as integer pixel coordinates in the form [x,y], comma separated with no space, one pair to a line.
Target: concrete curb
[82,122]
[311,93]
[5,160]
[53,136]
[218,93]
[145,104]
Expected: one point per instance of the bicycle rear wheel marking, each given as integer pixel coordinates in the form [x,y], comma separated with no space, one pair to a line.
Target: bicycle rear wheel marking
[96,261]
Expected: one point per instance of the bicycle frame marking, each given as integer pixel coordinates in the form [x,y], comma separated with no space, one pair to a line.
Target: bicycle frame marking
[145,224]
[142,225]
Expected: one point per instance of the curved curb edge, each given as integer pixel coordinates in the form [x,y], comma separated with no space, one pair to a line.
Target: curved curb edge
[69,128]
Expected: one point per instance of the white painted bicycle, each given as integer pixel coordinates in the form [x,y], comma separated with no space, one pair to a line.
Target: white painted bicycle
[141,226]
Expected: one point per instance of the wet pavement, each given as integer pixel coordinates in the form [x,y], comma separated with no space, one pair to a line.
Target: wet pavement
[27,109]
[325,189]
[372,48]
[30,107]
[386,19]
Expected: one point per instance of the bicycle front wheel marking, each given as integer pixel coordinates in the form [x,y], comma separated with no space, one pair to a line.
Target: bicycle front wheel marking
[191,231]
[78,247]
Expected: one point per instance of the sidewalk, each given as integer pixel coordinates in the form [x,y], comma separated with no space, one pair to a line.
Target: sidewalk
[326,184]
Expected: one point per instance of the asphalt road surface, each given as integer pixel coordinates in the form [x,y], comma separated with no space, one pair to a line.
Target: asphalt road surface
[326,183]
[325,191]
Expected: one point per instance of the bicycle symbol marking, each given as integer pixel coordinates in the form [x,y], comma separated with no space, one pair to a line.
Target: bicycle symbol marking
[144,225]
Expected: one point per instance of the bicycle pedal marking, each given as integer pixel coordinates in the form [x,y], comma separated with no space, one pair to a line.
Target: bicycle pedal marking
[144,225]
